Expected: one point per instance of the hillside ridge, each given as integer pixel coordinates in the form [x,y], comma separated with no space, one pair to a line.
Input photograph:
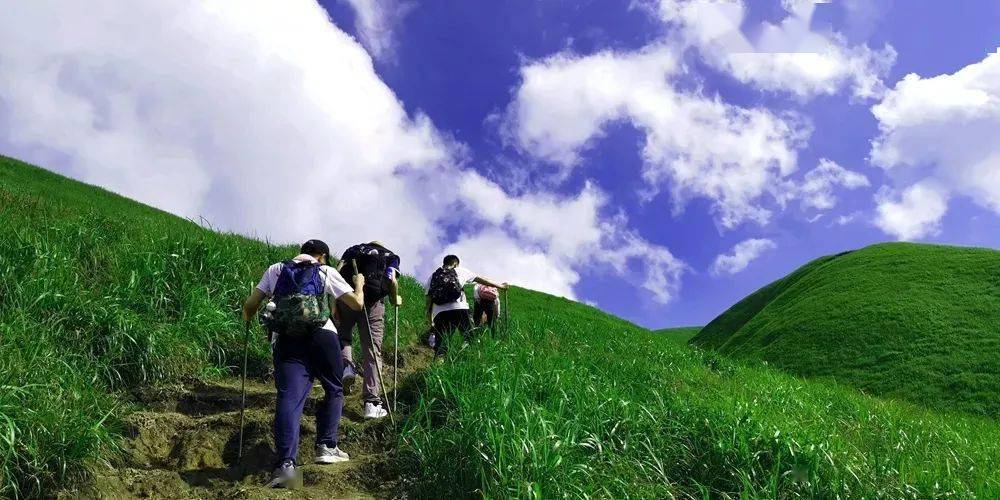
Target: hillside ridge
[906,320]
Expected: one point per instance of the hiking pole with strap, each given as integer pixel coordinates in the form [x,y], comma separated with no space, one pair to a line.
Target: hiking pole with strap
[243,387]
[371,342]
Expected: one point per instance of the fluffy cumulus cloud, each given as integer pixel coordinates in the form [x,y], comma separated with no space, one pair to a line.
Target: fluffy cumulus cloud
[913,214]
[695,146]
[567,232]
[942,129]
[240,113]
[742,254]
[789,56]
[267,119]
[817,189]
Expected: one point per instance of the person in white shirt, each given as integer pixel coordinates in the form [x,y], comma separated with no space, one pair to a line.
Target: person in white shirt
[447,307]
[302,357]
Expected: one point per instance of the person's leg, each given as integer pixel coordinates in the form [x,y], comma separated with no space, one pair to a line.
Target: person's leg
[446,323]
[442,332]
[477,312]
[376,319]
[345,329]
[491,307]
[326,364]
[292,381]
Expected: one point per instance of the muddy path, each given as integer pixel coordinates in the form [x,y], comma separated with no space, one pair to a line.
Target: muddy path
[183,443]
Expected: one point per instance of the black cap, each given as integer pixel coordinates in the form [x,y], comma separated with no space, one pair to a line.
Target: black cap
[315,247]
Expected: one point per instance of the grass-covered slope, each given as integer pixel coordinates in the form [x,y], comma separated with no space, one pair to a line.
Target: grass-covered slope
[680,334]
[574,402]
[99,294]
[917,322]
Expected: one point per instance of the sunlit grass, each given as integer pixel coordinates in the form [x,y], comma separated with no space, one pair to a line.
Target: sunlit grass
[574,402]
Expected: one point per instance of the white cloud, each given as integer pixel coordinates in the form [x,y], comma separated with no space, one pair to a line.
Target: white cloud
[375,22]
[742,254]
[843,220]
[493,254]
[571,233]
[945,128]
[262,116]
[695,145]
[789,56]
[816,190]
[914,214]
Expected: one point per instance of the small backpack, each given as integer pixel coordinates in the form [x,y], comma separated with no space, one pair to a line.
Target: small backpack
[300,300]
[445,287]
[486,293]
[373,262]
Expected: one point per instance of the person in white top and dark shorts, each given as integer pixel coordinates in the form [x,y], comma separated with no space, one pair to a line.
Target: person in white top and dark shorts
[447,306]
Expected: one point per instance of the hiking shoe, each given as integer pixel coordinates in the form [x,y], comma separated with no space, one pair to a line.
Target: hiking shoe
[327,455]
[349,378]
[374,410]
[283,476]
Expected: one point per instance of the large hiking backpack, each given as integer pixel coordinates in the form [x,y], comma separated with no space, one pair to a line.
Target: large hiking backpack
[445,287]
[301,304]
[373,261]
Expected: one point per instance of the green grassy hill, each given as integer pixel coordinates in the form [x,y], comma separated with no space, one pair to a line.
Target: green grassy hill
[680,334]
[100,296]
[910,321]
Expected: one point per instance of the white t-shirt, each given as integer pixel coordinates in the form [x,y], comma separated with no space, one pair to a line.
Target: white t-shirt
[334,283]
[465,277]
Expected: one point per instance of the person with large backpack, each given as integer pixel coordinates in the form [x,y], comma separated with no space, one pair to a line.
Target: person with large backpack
[447,307]
[303,291]
[380,267]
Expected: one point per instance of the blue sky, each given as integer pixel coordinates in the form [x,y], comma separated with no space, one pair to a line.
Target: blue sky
[660,159]
[459,64]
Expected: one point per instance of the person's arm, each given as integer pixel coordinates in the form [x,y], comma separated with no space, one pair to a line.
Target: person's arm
[488,282]
[252,304]
[356,299]
[394,289]
[430,308]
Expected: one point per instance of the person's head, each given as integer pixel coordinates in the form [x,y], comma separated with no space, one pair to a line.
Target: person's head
[317,249]
[450,261]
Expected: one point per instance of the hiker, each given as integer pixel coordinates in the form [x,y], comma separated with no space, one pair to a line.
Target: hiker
[302,292]
[487,306]
[379,266]
[447,308]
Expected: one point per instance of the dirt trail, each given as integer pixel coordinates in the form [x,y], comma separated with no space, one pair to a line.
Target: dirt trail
[184,444]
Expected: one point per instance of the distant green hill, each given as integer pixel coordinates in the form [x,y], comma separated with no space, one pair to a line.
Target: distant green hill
[910,321]
[679,334]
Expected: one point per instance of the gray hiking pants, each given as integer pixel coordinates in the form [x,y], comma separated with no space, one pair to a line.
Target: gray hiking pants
[349,318]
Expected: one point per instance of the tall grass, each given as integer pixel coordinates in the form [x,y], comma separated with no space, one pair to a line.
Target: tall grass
[99,294]
[576,403]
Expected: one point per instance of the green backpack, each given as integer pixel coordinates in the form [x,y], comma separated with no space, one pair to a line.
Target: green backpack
[301,304]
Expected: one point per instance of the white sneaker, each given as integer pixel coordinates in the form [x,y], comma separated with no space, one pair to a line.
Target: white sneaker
[373,410]
[327,455]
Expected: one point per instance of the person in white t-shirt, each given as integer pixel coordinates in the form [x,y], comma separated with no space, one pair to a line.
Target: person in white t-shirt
[299,359]
[447,307]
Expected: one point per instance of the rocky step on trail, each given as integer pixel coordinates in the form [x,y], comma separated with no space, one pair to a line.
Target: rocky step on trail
[183,444]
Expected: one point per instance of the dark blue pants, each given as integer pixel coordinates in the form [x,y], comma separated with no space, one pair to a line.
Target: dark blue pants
[297,362]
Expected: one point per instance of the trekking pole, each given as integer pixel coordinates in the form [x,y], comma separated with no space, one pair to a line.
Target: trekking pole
[243,387]
[395,354]
[371,342]
[506,311]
